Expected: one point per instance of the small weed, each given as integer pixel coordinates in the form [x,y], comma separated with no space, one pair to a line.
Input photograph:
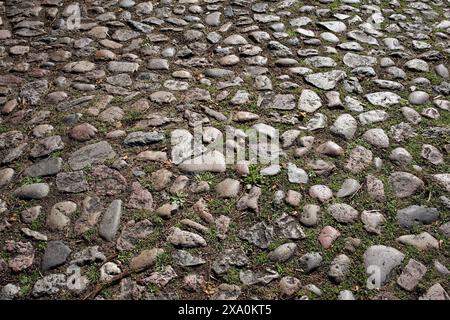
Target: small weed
[260,259]
[152,289]
[106,293]
[163,260]
[232,276]
[93,274]
[41,246]
[205,176]
[179,198]
[146,43]
[4,255]
[156,220]
[89,235]
[57,154]
[125,256]
[134,116]
[254,176]
[26,282]
[118,100]
[291,33]
[4,128]
[138,215]
[30,180]
[37,223]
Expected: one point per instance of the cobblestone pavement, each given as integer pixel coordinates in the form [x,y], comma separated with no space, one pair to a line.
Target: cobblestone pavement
[100,198]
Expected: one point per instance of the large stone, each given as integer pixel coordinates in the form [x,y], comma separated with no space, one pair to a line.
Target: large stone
[417,215]
[421,241]
[405,184]
[71,182]
[59,217]
[32,191]
[309,101]
[260,235]
[345,126]
[185,239]
[95,153]
[343,212]
[381,261]
[228,188]
[111,221]
[213,161]
[383,99]
[326,80]
[46,167]
[145,259]
[55,255]
[411,275]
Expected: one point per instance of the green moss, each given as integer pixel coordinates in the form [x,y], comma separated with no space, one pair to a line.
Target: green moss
[30,180]
[254,176]
[125,256]
[41,246]
[163,260]
[178,199]
[260,259]
[138,215]
[152,289]
[26,282]
[206,176]
[106,293]
[92,274]
[232,276]
[4,128]
[89,235]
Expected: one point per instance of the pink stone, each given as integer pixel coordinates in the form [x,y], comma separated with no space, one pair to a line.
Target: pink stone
[194,282]
[23,255]
[327,236]
[222,225]
[38,73]
[83,132]
[201,209]
[9,106]
[140,198]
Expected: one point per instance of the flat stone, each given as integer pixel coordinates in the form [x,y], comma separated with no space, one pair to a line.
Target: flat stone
[55,255]
[383,99]
[345,126]
[383,261]
[417,215]
[259,234]
[421,241]
[145,259]
[326,80]
[309,101]
[72,182]
[405,184]
[343,212]
[142,138]
[95,153]
[349,187]
[32,191]
[435,292]
[327,236]
[111,221]
[411,275]
[228,188]
[185,239]
[59,217]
